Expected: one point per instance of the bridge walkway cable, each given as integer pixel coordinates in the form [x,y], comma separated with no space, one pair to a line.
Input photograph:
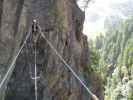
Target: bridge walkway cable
[35,77]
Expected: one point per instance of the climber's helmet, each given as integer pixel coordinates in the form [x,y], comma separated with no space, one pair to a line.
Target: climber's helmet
[34,26]
[34,21]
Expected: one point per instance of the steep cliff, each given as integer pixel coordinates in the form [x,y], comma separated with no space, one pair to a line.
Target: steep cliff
[62,23]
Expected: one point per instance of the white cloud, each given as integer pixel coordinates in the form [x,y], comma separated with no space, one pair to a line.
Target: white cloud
[97,11]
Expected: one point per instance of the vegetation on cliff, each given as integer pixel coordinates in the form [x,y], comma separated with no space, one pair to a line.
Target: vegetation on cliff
[114,60]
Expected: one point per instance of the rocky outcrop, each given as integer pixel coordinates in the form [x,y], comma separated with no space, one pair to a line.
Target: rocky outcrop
[62,23]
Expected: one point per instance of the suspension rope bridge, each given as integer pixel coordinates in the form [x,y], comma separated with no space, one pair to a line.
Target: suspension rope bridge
[11,67]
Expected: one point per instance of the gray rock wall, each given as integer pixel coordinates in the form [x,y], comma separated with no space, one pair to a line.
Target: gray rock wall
[61,22]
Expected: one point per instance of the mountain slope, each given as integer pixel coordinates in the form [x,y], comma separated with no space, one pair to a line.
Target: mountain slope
[116,60]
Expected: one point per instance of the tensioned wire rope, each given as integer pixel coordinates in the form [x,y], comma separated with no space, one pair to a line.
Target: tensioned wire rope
[67,65]
[35,77]
[11,67]
[13,64]
[57,53]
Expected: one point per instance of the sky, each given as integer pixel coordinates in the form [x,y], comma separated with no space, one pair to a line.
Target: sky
[98,10]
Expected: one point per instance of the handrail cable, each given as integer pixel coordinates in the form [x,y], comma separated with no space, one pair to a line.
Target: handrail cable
[13,62]
[35,78]
[67,65]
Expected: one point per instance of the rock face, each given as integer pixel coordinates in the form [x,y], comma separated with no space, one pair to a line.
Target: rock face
[61,22]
